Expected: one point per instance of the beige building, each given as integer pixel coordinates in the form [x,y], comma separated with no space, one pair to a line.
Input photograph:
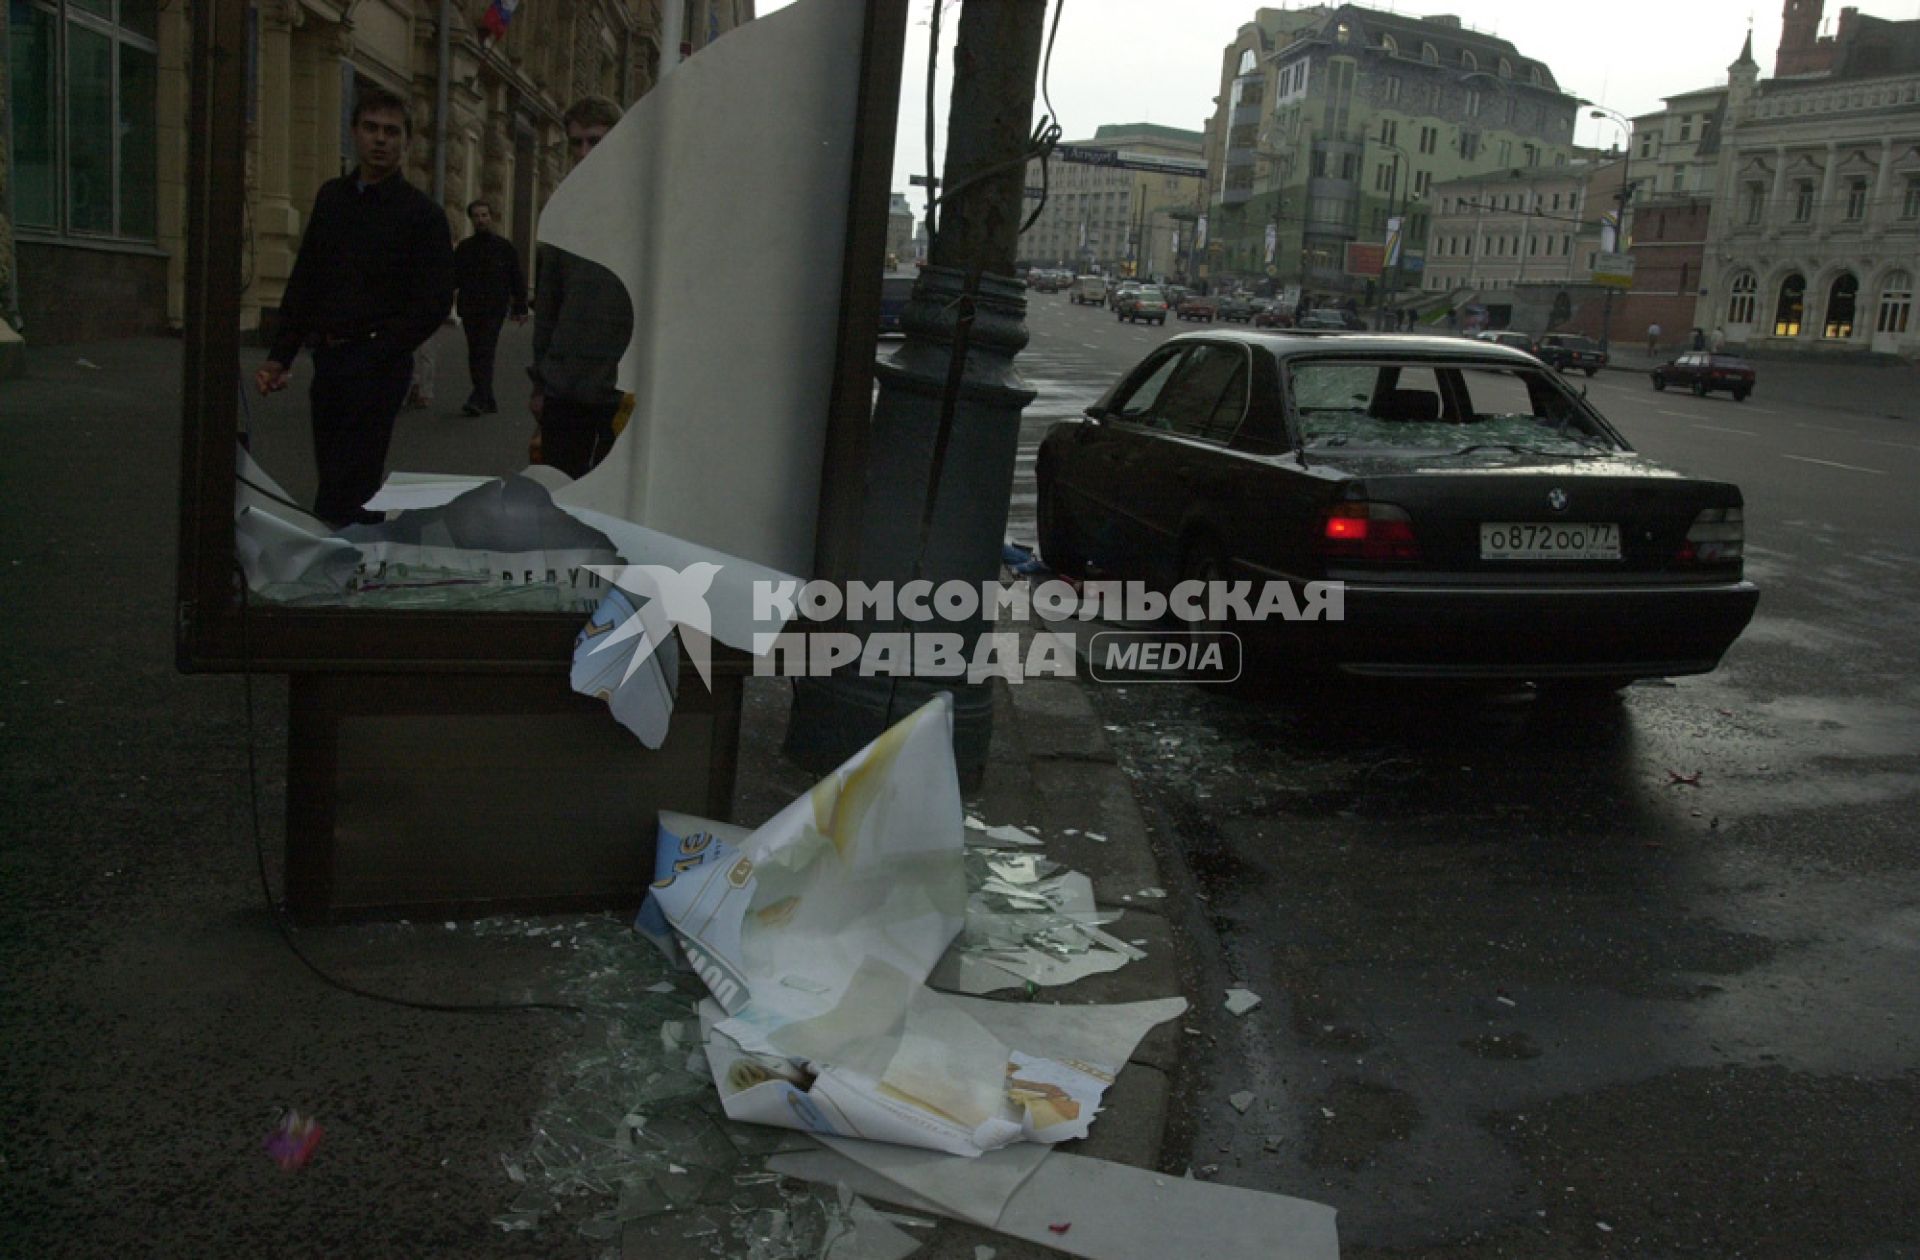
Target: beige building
[1112,219]
[1814,245]
[99,188]
[1676,149]
[1535,227]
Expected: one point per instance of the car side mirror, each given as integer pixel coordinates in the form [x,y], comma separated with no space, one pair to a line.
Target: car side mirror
[1095,414]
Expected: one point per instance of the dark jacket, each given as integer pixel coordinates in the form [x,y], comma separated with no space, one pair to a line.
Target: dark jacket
[486,270]
[375,262]
[582,323]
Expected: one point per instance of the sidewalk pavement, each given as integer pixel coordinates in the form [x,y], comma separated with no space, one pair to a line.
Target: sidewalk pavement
[156,1024]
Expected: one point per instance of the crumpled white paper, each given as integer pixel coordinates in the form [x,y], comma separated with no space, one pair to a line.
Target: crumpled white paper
[816,936]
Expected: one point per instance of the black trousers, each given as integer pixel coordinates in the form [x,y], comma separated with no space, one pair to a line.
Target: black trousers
[357,392]
[575,436]
[483,337]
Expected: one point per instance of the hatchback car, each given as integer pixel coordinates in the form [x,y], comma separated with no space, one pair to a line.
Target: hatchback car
[1570,353]
[1703,372]
[1482,519]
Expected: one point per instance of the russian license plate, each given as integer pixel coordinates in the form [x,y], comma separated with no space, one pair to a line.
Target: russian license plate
[1577,541]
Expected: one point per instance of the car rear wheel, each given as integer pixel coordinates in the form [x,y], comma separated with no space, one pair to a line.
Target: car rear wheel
[1659,381]
[1740,395]
[1699,389]
[1593,371]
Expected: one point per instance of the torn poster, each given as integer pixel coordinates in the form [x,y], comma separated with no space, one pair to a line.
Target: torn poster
[815,936]
[761,123]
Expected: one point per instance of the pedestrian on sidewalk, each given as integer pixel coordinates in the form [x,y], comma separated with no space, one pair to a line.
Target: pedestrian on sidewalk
[1718,341]
[492,288]
[1653,339]
[582,322]
[372,281]
[1699,339]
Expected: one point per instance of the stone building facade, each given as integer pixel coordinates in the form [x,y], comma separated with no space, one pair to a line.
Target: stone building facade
[1112,219]
[1333,119]
[1814,247]
[101,236]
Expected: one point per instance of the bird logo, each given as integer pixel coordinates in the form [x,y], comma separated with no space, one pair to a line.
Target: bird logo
[665,598]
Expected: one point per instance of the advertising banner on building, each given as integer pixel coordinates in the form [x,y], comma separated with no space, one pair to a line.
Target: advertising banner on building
[1200,233]
[1615,271]
[1365,258]
[1393,241]
[1273,240]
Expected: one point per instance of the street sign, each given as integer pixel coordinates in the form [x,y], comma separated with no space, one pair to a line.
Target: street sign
[1365,258]
[921,181]
[1614,271]
[1086,156]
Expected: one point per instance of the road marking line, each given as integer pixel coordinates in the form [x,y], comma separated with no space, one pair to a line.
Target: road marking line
[1089,345]
[1825,428]
[1723,429]
[1683,415]
[1769,411]
[1827,463]
[1905,446]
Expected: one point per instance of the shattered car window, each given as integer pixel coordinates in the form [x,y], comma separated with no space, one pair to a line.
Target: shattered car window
[1385,406]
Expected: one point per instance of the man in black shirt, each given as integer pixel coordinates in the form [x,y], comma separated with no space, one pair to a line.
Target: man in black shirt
[373,279]
[486,270]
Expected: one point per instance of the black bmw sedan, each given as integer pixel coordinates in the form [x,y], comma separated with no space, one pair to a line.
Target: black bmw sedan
[1481,518]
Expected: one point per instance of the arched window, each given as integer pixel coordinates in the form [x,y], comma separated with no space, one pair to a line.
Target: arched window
[1896,303]
[1840,302]
[1535,77]
[1430,54]
[1246,61]
[1467,61]
[1342,33]
[1740,305]
[1791,306]
[1388,46]
[1506,68]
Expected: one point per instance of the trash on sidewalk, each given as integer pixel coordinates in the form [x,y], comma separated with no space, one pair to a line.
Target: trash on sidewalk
[1241,1101]
[292,1143]
[1117,1212]
[1240,1001]
[816,937]
[1029,921]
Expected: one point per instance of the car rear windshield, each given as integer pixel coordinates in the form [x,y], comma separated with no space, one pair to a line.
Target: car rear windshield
[1423,408]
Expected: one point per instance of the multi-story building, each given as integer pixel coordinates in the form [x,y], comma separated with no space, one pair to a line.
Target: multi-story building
[98,96]
[1111,218]
[1676,148]
[899,231]
[1331,120]
[1814,244]
[1522,244]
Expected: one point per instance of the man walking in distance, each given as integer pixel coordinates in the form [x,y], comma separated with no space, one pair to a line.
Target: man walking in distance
[582,323]
[373,280]
[492,288]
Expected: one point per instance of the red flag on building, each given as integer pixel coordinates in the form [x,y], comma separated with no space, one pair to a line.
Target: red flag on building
[493,23]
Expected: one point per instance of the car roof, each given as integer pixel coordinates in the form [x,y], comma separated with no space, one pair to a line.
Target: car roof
[1283,344]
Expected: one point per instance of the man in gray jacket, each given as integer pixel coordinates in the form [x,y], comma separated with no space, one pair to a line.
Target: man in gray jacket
[582,323]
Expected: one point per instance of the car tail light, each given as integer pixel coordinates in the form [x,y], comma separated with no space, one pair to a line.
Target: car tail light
[1368,531]
[1718,536]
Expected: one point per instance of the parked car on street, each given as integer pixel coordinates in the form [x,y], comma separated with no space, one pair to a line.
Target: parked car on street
[1570,353]
[1486,521]
[1703,372]
[1196,306]
[1143,303]
[1506,337]
[1236,308]
[1330,320]
[1089,291]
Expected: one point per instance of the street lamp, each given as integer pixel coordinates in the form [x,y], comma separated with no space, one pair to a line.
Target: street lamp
[1622,197]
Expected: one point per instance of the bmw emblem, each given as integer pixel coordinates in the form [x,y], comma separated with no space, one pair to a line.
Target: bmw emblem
[1557,499]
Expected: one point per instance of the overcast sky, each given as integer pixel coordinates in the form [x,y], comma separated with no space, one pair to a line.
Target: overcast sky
[1123,61]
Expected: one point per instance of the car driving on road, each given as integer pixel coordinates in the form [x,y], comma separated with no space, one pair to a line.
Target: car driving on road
[1143,303]
[1485,521]
[1570,353]
[1703,372]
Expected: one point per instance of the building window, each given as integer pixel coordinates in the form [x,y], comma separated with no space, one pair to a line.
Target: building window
[1383,178]
[1246,61]
[1469,145]
[1791,305]
[1756,203]
[1896,303]
[1686,130]
[1422,180]
[1389,131]
[1533,154]
[1646,146]
[1430,54]
[1740,304]
[1467,61]
[1910,204]
[1533,246]
[1388,46]
[1856,200]
[1319,163]
[1803,201]
[83,89]
[1429,139]
[1680,180]
[1349,165]
[1393,89]
[1473,103]
[1506,68]
[1840,302]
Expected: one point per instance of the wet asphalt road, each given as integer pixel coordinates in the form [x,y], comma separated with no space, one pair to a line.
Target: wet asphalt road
[1525,994]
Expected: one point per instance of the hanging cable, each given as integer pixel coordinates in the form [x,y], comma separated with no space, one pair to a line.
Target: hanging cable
[933,65]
